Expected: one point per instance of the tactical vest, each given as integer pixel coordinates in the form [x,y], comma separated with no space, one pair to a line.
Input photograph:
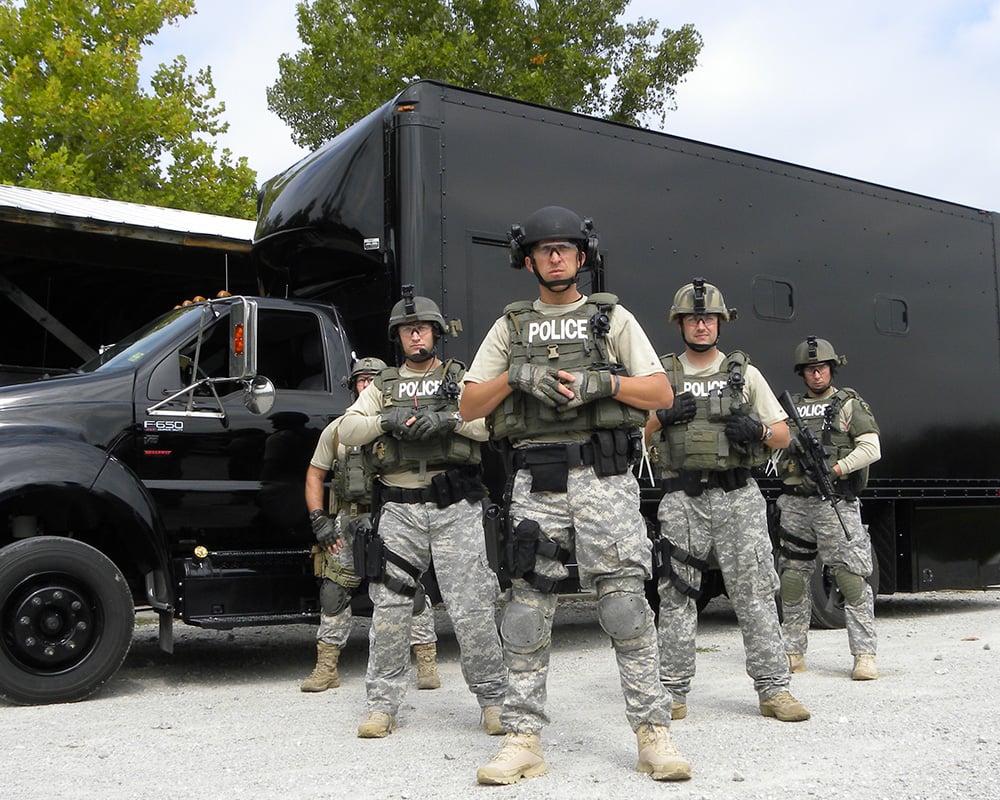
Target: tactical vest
[573,341]
[437,390]
[350,482]
[701,444]
[820,416]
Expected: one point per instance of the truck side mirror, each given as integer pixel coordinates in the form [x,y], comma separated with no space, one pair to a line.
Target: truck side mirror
[243,339]
[258,396]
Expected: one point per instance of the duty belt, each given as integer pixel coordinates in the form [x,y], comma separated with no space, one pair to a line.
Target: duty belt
[393,494]
[694,482]
[578,454]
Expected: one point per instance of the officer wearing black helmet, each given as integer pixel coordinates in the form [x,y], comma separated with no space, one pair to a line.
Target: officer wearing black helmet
[566,382]
[428,495]
[844,424]
[350,507]
[725,420]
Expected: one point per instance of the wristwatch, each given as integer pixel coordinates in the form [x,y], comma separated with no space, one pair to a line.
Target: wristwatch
[316,514]
[768,433]
[457,416]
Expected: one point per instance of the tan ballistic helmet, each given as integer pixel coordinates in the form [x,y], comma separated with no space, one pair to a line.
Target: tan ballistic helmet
[816,351]
[414,308]
[699,297]
[367,366]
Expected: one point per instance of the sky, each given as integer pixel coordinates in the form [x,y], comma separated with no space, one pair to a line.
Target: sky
[904,93]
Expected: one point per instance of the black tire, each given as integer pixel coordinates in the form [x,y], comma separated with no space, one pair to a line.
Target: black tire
[66,617]
[827,601]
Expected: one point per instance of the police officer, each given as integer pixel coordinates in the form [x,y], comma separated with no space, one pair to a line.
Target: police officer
[724,420]
[429,495]
[351,506]
[566,380]
[845,427]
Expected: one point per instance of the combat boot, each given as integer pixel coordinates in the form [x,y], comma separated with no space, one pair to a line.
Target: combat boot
[324,675]
[864,667]
[796,662]
[658,756]
[427,671]
[678,710]
[519,757]
[784,707]
[377,725]
[491,720]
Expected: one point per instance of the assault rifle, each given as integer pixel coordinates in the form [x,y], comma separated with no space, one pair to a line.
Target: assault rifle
[812,456]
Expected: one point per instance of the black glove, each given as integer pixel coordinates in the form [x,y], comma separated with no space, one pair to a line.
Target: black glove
[589,385]
[807,487]
[433,423]
[394,421]
[743,429]
[683,410]
[539,382]
[324,529]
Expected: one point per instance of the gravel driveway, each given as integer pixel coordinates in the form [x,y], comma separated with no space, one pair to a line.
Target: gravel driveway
[223,717]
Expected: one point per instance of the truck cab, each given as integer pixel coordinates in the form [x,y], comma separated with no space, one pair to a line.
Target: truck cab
[167,472]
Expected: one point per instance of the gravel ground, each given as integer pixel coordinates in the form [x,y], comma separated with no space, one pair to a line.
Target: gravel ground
[223,717]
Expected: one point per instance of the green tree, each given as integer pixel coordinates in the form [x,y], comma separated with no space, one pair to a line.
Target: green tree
[571,54]
[74,118]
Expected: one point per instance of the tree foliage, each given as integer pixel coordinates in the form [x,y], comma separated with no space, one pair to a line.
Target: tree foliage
[571,54]
[74,117]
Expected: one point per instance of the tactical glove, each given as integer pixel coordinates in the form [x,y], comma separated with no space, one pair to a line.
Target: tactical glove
[743,429]
[589,385]
[324,529]
[539,382]
[807,487]
[683,410]
[429,424]
[394,421]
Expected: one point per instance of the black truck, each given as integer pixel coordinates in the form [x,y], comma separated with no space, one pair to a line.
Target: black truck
[167,472]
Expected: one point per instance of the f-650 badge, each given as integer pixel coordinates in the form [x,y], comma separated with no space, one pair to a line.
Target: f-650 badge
[163,425]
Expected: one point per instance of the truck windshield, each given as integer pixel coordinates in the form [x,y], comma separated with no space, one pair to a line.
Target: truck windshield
[137,345]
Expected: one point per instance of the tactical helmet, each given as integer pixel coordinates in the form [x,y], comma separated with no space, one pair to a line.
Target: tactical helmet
[367,366]
[413,309]
[816,351]
[553,223]
[699,297]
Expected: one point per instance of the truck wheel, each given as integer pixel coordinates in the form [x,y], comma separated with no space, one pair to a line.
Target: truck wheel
[66,617]
[827,601]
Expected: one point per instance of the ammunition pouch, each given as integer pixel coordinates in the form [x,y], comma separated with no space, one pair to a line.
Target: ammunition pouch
[663,551]
[609,452]
[522,549]
[694,482]
[369,556]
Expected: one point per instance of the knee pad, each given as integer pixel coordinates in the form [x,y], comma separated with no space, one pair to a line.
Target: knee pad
[622,609]
[522,628]
[851,585]
[333,598]
[793,586]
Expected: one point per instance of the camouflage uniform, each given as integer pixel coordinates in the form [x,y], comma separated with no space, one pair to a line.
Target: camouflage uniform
[733,524]
[845,425]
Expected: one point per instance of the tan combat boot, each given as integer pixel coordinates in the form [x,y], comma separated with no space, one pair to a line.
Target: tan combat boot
[427,671]
[658,756]
[491,720]
[324,675]
[678,710]
[519,757]
[377,725]
[784,707]
[796,662]
[864,668]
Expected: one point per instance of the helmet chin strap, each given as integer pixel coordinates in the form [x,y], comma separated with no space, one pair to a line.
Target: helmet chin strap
[701,348]
[559,286]
[422,355]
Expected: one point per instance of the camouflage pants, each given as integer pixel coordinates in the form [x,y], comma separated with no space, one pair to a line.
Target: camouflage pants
[734,525]
[598,518]
[814,520]
[454,537]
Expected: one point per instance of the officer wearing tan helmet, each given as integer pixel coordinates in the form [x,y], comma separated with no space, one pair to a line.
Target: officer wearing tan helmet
[844,425]
[349,508]
[428,494]
[724,421]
